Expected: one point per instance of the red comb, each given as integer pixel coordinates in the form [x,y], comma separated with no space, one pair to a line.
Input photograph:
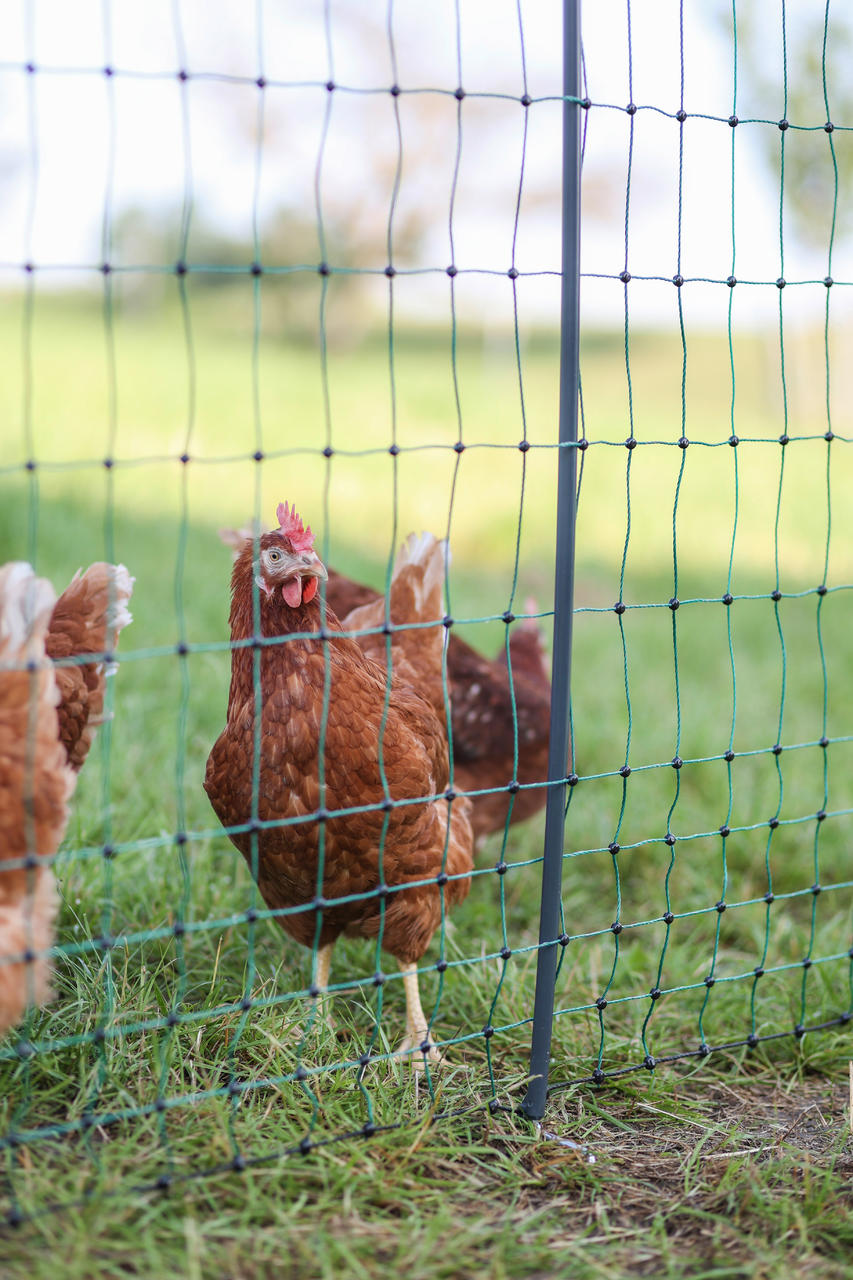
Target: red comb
[290,523]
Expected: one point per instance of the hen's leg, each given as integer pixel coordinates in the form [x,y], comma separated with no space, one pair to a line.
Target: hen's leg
[321,983]
[417,1030]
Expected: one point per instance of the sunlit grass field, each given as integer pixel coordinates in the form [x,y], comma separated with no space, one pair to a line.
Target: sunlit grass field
[147,389]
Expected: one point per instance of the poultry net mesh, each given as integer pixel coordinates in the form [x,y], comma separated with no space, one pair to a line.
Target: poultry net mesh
[334,280]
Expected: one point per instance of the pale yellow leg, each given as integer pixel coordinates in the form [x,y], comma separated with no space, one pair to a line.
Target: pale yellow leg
[324,965]
[417,1030]
[321,982]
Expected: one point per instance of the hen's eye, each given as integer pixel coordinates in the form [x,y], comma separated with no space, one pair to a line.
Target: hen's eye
[274,556]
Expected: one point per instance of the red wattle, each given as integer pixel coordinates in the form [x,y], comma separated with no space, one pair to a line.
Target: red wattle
[309,590]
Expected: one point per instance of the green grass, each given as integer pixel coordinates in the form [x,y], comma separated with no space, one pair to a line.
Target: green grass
[663,1197]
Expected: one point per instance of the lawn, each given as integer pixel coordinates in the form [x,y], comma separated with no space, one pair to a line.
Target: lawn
[700,1167]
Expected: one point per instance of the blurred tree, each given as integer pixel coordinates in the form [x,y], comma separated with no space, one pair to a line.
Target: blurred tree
[816,57]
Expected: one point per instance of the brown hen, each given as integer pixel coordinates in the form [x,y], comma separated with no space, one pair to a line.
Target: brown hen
[383,750]
[481,700]
[87,619]
[35,784]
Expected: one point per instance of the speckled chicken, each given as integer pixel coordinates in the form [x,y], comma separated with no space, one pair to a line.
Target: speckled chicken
[384,750]
[87,619]
[36,782]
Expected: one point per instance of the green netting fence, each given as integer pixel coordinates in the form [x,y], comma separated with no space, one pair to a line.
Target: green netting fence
[378,343]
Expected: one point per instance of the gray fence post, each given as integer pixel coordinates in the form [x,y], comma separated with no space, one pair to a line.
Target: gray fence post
[558,752]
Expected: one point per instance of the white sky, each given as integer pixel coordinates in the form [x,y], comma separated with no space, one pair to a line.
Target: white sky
[71,140]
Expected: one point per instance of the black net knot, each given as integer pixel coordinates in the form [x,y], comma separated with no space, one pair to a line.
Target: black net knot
[328,451]
[459,447]
[513,273]
[488,1032]
[731,281]
[704,1049]
[379,978]
[257,270]
[625,276]
[683,442]
[709,981]
[601,1004]
[505,953]
[752,1040]
[573,779]
[783,440]
[513,787]
[828,127]
[258,455]
[459,94]
[625,771]
[323,268]
[821,815]
[619,607]
[734,441]
[759,971]
[502,868]
[822,589]
[799,1031]
[776,595]
[616,928]
[674,603]
[631,109]
[678,281]
[681,116]
[393,449]
[720,906]
[508,617]
[655,994]
[729,756]
[564,939]
[614,847]
[667,917]
[649,1062]
[782,124]
[441,878]
[776,749]
[676,762]
[773,824]
[769,897]
[301,1073]
[394,91]
[725,831]
[781,282]
[261,82]
[305,1146]
[733,122]
[523,446]
[525,99]
[816,888]
[390,272]
[441,966]
[807,964]
[669,839]
[447,621]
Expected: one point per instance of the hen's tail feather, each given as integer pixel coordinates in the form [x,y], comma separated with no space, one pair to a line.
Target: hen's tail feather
[87,619]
